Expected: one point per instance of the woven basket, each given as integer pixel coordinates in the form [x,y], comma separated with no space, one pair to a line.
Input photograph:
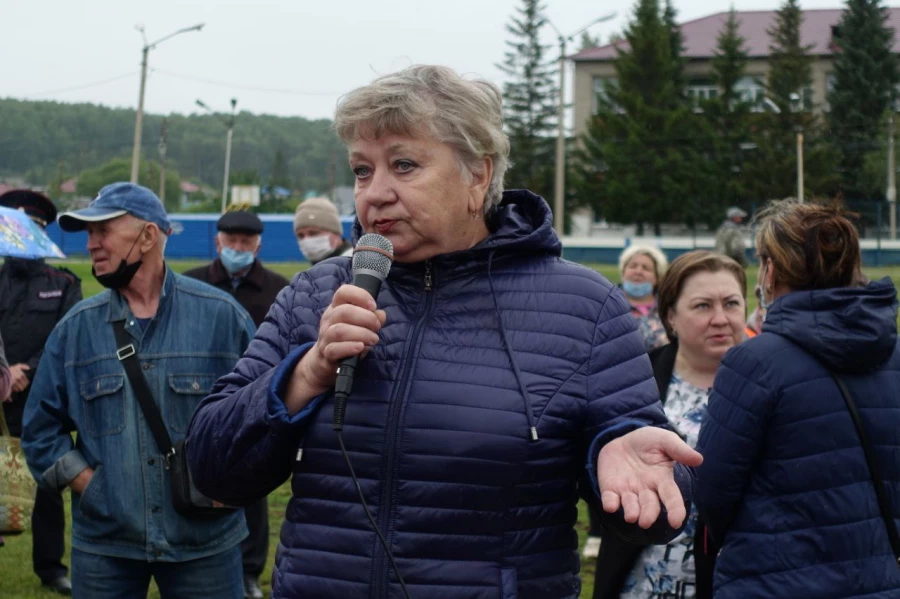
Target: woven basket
[17,486]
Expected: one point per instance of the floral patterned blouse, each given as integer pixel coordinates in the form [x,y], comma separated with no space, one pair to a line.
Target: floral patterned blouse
[667,571]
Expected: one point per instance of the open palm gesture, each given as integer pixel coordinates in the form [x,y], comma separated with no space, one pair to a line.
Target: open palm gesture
[636,472]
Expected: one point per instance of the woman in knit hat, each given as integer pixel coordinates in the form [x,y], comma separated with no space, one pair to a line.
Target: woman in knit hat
[318,230]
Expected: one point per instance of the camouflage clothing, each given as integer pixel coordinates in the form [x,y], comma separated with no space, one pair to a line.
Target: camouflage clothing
[730,242]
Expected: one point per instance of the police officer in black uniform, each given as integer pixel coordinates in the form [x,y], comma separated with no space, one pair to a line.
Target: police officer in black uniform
[239,271]
[34,296]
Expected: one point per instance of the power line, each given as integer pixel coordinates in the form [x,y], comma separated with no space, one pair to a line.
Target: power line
[295,92]
[83,86]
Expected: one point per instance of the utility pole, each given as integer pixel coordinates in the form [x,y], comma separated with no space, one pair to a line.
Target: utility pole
[139,121]
[559,191]
[800,164]
[892,180]
[162,163]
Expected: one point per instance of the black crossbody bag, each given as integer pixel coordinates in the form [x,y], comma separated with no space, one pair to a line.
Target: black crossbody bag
[880,493]
[188,501]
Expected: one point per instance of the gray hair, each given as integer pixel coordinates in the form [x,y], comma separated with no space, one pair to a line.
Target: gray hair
[467,114]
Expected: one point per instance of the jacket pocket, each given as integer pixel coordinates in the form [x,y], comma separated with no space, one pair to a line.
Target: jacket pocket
[104,405]
[509,583]
[92,503]
[188,391]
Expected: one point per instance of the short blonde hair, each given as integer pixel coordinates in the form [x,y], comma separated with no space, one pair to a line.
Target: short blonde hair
[655,254]
[435,100]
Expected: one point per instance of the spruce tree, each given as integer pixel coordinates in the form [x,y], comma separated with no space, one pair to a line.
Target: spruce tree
[727,124]
[530,102]
[676,47]
[790,61]
[635,164]
[771,170]
[865,79]
[729,63]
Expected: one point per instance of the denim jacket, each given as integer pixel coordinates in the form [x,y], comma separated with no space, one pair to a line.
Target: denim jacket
[126,511]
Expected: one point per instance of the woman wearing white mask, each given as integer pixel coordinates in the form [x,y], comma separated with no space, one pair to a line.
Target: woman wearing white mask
[642,268]
[318,230]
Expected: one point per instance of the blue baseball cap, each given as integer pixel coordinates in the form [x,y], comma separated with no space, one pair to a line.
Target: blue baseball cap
[115,200]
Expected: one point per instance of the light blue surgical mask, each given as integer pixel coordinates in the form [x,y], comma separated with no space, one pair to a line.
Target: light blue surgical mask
[235,261]
[637,290]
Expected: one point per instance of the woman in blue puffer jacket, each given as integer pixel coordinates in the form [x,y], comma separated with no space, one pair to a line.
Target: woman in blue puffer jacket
[497,380]
[785,488]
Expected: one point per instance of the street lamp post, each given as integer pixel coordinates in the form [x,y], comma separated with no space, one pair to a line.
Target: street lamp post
[559,221]
[139,121]
[229,124]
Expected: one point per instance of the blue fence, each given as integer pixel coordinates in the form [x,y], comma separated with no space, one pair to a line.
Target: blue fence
[196,241]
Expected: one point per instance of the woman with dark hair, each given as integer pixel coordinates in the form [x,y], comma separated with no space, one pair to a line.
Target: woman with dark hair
[702,303]
[785,488]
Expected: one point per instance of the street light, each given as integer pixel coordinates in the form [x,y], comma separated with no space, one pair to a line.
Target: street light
[560,187]
[139,123]
[229,124]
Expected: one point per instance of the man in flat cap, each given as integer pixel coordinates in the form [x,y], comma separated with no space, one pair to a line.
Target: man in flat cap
[184,335]
[317,226]
[239,271]
[730,239]
[34,296]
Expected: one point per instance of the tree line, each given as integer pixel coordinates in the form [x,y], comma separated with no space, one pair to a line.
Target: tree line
[50,142]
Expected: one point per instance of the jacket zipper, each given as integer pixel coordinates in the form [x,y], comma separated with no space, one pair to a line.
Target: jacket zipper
[382,566]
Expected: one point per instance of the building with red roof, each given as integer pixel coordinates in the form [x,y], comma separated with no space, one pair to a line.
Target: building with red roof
[594,67]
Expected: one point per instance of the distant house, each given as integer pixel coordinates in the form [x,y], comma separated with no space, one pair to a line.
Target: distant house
[69,186]
[190,194]
[594,67]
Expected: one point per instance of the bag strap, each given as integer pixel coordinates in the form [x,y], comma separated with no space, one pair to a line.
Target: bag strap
[128,357]
[874,472]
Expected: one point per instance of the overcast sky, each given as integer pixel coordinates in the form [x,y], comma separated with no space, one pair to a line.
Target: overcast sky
[285,57]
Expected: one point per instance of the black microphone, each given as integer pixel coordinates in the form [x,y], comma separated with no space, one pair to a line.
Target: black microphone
[372,260]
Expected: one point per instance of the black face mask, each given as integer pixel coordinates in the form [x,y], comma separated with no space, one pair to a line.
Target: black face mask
[122,276]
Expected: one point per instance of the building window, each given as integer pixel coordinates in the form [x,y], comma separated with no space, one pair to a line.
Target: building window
[600,91]
[700,90]
[751,90]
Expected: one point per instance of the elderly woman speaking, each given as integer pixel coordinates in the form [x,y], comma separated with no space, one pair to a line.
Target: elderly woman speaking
[493,371]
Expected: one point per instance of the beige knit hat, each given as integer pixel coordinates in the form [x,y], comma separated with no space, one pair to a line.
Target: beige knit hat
[319,213]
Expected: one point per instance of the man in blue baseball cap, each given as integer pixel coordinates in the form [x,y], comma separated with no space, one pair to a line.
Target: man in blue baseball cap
[184,335]
[108,231]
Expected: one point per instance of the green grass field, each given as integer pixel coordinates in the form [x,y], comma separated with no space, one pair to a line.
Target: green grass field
[18,582]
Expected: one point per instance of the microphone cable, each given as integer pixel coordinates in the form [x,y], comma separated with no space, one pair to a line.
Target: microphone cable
[362,499]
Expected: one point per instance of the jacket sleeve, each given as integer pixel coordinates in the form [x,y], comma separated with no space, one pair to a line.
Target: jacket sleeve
[47,427]
[731,438]
[71,296]
[622,396]
[241,441]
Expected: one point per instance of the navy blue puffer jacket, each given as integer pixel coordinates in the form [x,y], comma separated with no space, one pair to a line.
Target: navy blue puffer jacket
[784,481]
[499,374]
